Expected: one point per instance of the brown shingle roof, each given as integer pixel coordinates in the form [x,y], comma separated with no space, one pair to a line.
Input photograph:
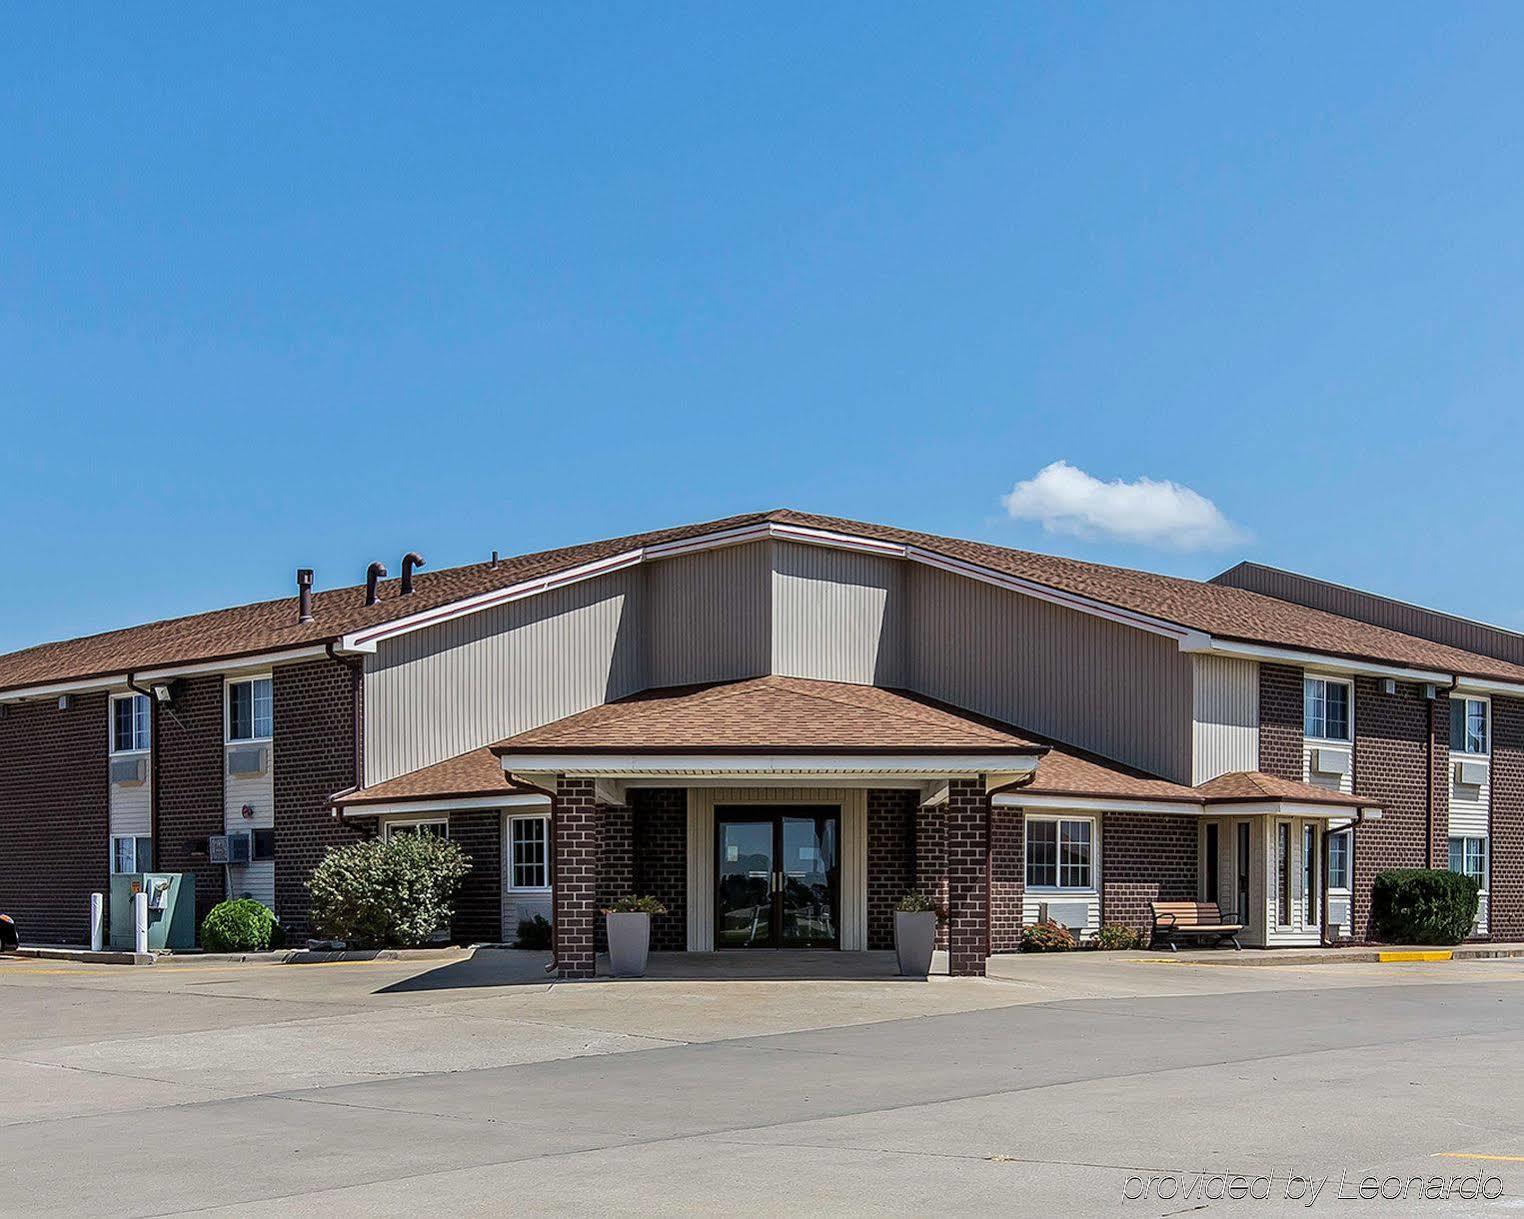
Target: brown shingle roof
[1256,785]
[766,713]
[478,773]
[1229,613]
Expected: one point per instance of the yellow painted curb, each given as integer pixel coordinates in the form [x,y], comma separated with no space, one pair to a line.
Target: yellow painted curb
[1433,954]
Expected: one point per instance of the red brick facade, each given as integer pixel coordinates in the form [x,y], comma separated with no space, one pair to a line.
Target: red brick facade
[316,704]
[53,817]
[661,861]
[479,905]
[931,861]
[1505,897]
[1394,736]
[891,860]
[616,863]
[575,851]
[966,815]
[189,764]
[1145,857]
[1008,881]
[1280,721]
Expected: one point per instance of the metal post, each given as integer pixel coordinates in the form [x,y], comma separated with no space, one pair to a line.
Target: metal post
[97,912]
[140,922]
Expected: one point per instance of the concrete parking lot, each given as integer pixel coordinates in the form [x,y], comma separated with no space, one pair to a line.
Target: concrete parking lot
[1080,1085]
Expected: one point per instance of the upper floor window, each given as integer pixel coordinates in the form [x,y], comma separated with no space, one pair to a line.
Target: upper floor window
[250,710]
[129,723]
[1325,709]
[1059,852]
[1468,725]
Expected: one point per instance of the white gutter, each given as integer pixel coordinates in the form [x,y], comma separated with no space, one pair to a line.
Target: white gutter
[1100,804]
[112,681]
[614,765]
[462,804]
[1477,685]
[1317,660]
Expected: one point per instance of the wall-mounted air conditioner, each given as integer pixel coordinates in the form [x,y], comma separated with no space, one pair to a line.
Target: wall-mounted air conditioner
[247,761]
[217,848]
[1331,761]
[1471,774]
[240,847]
[129,770]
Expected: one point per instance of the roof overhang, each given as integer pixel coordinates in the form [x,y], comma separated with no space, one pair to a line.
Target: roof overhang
[1317,660]
[111,681]
[797,768]
[1186,808]
[1291,808]
[441,804]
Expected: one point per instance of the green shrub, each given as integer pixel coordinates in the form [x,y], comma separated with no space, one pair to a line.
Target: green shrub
[387,892]
[636,905]
[534,933]
[1423,906]
[1115,937]
[241,925]
[1046,936]
[919,903]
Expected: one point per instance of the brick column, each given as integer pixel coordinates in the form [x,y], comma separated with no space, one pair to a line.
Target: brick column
[967,877]
[931,862]
[576,877]
[616,862]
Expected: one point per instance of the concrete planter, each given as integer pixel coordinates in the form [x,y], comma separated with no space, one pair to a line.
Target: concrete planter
[915,936]
[629,944]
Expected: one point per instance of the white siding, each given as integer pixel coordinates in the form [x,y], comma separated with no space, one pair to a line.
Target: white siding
[1334,782]
[132,803]
[838,615]
[854,855]
[1225,726]
[1121,692]
[708,615]
[257,879]
[1299,932]
[1470,816]
[440,692]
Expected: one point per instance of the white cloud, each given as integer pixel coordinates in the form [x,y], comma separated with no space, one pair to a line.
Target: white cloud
[1066,500]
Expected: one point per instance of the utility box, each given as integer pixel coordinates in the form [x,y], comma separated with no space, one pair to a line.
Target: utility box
[171,909]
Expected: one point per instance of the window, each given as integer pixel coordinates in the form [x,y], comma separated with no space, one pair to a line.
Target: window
[129,723]
[1283,874]
[263,846]
[1469,856]
[250,710]
[1309,876]
[528,840]
[1243,873]
[1325,709]
[1468,725]
[131,854]
[1338,860]
[1059,853]
[434,829]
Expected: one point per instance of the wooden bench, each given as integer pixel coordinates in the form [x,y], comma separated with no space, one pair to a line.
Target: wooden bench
[1175,921]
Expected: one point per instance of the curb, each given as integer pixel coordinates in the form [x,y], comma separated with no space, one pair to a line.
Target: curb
[87,957]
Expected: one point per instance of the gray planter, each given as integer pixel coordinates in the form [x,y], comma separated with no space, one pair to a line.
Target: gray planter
[629,944]
[915,936]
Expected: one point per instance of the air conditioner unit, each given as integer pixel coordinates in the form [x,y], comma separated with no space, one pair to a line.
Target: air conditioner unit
[240,847]
[1471,774]
[217,848]
[247,761]
[1331,761]
[128,770]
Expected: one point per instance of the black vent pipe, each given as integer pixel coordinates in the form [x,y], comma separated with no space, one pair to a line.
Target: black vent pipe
[373,573]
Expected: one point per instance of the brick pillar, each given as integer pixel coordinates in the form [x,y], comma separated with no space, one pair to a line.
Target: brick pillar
[616,862]
[1505,897]
[967,876]
[1439,781]
[576,877]
[931,862]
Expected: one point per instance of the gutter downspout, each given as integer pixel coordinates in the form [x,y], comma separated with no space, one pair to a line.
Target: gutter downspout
[153,770]
[356,667]
[989,858]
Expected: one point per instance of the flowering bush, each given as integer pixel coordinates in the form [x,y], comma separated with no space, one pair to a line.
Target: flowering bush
[387,892]
[636,905]
[919,903]
[1046,936]
[1115,937]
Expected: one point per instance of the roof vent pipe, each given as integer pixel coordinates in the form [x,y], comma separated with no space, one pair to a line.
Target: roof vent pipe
[410,560]
[304,594]
[373,573]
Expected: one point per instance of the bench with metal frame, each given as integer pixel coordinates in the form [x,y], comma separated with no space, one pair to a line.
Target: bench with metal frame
[1174,921]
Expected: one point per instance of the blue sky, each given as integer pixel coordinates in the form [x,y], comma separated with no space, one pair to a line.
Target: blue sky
[320,286]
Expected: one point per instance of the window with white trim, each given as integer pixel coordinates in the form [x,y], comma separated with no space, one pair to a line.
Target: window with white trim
[131,854]
[1338,859]
[1469,856]
[130,719]
[1060,852]
[1468,726]
[1325,709]
[436,827]
[529,852]
[251,710]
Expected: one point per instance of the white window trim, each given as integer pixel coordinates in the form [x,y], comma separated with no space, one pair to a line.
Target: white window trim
[132,838]
[1349,860]
[111,749]
[415,823]
[1486,754]
[1486,841]
[1327,679]
[1089,890]
[227,709]
[511,887]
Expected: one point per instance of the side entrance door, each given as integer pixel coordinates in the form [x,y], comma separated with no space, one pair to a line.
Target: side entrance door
[778,876]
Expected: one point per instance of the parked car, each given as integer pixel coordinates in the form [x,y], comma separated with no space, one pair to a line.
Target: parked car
[9,940]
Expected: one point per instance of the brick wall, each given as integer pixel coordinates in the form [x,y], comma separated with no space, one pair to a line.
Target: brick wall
[967,842]
[1008,881]
[314,757]
[1145,857]
[661,861]
[1280,721]
[931,861]
[189,753]
[53,817]
[1392,739]
[1505,915]
[576,878]
[616,862]
[479,905]
[891,860]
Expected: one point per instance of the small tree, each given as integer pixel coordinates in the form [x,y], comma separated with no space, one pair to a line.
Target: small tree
[387,892]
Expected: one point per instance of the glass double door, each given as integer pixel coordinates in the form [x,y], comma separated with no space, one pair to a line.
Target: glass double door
[778,877]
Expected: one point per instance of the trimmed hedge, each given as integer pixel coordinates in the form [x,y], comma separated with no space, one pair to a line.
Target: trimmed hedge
[240,925]
[1423,906]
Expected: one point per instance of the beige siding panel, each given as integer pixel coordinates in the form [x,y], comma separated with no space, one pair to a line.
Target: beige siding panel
[1225,726]
[838,615]
[708,615]
[132,803]
[256,880]
[1121,692]
[854,855]
[440,692]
